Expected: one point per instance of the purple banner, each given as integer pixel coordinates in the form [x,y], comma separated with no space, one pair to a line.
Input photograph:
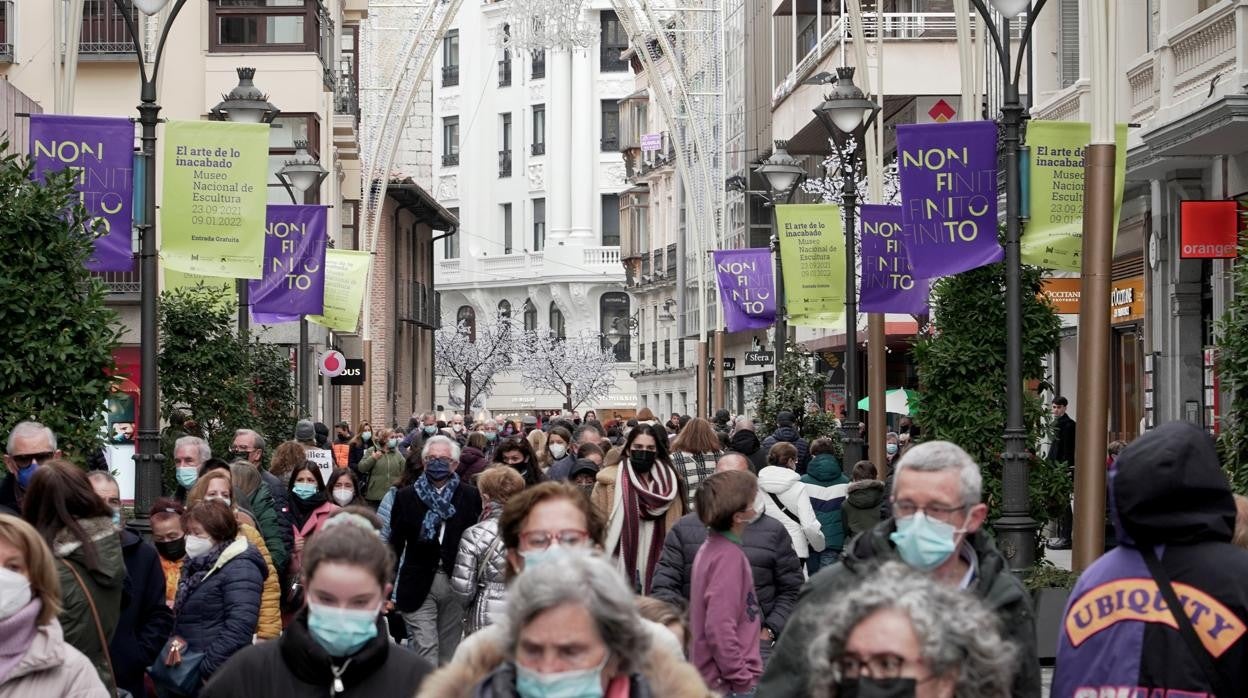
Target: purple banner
[101,151]
[948,178]
[888,286]
[747,288]
[294,265]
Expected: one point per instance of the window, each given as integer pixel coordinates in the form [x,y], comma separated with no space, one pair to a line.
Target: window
[263,25]
[1068,42]
[504,66]
[504,309]
[610,125]
[530,316]
[539,224]
[450,243]
[6,30]
[450,141]
[450,58]
[557,327]
[467,317]
[538,70]
[613,319]
[347,96]
[504,154]
[539,129]
[614,40]
[282,141]
[611,219]
[350,225]
[507,239]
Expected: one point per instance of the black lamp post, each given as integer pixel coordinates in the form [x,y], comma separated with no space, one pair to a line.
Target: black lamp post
[303,174]
[147,457]
[782,172]
[1016,530]
[245,104]
[847,114]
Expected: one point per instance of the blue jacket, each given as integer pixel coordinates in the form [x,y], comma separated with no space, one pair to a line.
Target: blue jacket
[218,617]
[146,620]
[825,471]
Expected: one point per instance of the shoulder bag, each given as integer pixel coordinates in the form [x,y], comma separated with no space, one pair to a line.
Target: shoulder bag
[1216,679]
[99,627]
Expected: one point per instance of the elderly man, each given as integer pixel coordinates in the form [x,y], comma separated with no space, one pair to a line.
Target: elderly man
[777,573]
[936,496]
[189,455]
[30,444]
[269,503]
[426,523]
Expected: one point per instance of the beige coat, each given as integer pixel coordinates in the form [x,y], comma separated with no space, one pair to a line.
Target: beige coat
[50,667]
[604,494]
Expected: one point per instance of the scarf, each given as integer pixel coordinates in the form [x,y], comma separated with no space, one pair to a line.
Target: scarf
[439,504]
[193,572]
[16,633]
[638,524]
[303,508]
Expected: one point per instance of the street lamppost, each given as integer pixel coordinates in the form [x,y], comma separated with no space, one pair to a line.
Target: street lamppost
[1016,529]
[303,174]
[783,172]
[148,459]
[847,114]
[245,104]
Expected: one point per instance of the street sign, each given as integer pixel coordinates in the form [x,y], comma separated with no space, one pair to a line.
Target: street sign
[332,363]
[759,358]
[730,364]
[352,373]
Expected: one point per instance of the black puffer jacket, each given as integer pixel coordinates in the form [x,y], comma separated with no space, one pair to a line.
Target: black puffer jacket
[777,572]
[747,444]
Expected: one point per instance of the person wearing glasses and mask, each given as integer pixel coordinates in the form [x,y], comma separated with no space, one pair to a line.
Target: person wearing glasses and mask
[936,529]
[901,633]
[30,445]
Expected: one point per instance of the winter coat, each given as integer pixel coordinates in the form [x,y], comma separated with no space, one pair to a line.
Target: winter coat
[472,462]
[747,444]
[423,559]
[861,510]
[296,666]
[312,525]
[1062,450]
[1118,636]
[382,469]
[724,618]
[218,616]
[105,584]
[790,435]
[777,573]
[146,620]
[795,510]
[384,510]
[53,667]
[484,595]
[694,468]
[561,469]
[788,673]
[270,526]
[825,472]
[173,572]
[269,625]
[603,496]
[8,496]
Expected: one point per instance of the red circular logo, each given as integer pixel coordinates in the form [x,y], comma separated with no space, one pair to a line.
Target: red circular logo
[333,363]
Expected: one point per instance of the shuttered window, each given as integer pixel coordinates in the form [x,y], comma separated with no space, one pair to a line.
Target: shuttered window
[1068,41]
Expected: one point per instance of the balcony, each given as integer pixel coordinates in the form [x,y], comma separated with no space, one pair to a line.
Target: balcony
[537,149]
[121,285]
[104,34]
[504,73]
[603,257]
[450,75]
[419,305]
[609,59]
[504,163]
[449,271]
[537,69]
[346,96]
[7,25]
[670,268]
[450,160]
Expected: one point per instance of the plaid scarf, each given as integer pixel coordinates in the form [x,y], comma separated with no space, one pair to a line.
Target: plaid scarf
[645,503]
[439,503]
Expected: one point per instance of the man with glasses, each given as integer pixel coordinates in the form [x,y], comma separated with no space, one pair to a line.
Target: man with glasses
[936,529]
[30,445]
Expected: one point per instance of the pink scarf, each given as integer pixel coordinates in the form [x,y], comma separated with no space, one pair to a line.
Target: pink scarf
[645,502]
[16,633]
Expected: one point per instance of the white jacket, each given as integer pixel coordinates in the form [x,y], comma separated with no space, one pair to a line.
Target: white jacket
[786,485]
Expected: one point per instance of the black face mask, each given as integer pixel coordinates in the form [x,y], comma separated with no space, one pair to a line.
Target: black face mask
[172,549]
[642,461]
[876,688]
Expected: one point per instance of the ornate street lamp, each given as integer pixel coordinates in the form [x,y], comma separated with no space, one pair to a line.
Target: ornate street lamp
[783,172]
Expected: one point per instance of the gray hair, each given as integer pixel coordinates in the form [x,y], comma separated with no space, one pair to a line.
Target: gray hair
[743,423]
[959,637]
[938,456]
[30,429]
[257,441]
[589,580]
[439,439]
[205,451]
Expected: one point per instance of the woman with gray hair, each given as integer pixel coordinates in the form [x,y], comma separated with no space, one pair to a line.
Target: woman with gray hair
[900,633]
[572,629]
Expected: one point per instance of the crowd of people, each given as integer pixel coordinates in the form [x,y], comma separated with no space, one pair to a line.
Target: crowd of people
[574,558]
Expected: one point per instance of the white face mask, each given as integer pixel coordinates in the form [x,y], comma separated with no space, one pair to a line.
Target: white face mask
[557,450]
[14,592]
[343,497]
[197,545]
[218,498]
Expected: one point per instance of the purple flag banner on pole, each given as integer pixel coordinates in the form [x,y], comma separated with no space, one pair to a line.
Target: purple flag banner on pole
[747,288]
[948,176]
[888,286]
[101,151]
[294,265]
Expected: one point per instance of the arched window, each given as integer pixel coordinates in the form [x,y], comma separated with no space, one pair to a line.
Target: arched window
[504,309]
[467,317]
[613,320]
[530,316]
[557,327]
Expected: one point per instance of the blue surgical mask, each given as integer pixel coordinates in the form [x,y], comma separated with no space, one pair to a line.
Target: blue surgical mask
[342,631]
[117,518]
[891,448]
[431,429]
[25,474]
[491,435]
[538,558]
[393,443]
[924,543]
[366,436]
[581,683]
[187,476]
[438,469]
[303,490]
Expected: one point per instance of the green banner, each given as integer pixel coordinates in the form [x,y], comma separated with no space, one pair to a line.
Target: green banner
[212,212]
[346,275]
[812,250]
[1053,236]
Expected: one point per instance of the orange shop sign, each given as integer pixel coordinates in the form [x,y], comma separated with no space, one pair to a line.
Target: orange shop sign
[1063,294]
[1126,298]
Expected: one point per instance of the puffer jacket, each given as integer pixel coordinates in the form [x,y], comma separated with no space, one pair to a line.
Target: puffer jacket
[382,470]
[105,584]
[790,435]
[822,476]
[52,667]
[270,525]
[861,511]
[269,625]
[218,616]
[795,510]
[483,591]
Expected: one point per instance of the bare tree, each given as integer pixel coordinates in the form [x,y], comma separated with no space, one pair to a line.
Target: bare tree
[474,362]
[578,368]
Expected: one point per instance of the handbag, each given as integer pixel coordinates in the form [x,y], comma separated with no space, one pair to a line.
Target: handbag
[176,669]
[99,627]
[1217,680]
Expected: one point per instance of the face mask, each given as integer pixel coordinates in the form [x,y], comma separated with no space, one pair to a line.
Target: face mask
[891,449]
[14,592]
[876,688]
[342,631]
[924,543]
[218,498]
[458,428]
[172,549]
[117,518]
[344,497]
[304,490]
[197,546]
[236,455]
[537,558]
[438,469]
[393,443]
[642,461]
[582,683]
[431,429]
[187,476]
[366,436]
[557,450]
[491,435]
[25,474]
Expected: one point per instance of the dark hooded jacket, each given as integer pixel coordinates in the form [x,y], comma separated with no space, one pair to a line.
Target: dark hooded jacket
[825,471]
[788,674]
[788,434]
[861,510]
[146,620]
[1168,493]
[747,444]
[105,583]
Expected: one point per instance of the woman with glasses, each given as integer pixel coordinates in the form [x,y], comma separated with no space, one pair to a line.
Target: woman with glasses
[900,633]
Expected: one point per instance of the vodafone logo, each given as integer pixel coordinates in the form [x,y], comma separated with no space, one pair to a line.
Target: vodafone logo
[332,363]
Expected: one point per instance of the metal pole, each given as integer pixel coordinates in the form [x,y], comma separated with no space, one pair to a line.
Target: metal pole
[303,367]
[718,395]
[782,325]
[703,374]
[149,461]
[876,387]
[244,309]
[851,438]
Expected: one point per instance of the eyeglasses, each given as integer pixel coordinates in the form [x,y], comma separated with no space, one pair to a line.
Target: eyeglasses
[877,666]
[903,508]
[23,460]
[541,540]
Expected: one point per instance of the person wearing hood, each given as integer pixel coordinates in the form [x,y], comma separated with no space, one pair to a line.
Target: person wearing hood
[827,487]
[936,496]
[744,440]
[1175,516]
[786,432]
[861,510]
[789,502]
